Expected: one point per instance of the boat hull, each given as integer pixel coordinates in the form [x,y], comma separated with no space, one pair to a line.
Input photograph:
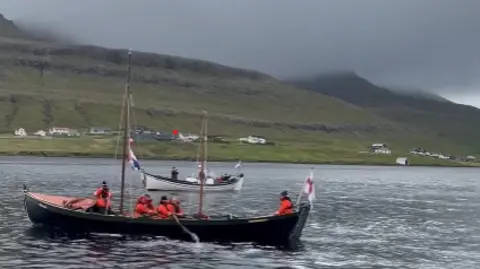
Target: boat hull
[158,183]
[269,230]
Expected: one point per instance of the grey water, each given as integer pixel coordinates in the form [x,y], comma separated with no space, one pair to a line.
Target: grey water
[363,217]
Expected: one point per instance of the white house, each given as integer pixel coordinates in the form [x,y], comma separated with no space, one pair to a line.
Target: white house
[20,132]
[380,149]
[188,137]
[253,140]
[41,133]
[59,131]
[100,131]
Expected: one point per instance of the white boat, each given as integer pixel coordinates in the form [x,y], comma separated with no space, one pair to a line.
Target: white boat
[161,183]
[193,183]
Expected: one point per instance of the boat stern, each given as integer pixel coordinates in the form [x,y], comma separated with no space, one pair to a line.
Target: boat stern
[296,233]
[239,184]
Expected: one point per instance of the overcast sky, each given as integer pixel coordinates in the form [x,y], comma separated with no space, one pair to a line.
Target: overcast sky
[430,44]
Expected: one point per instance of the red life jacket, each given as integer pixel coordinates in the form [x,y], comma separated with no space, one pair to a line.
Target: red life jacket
[104,202]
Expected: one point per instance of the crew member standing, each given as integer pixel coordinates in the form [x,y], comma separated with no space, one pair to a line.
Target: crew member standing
[286,205]
[174,173]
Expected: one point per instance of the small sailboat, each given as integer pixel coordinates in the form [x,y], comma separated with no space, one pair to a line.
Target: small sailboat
[51,212]
[226,182]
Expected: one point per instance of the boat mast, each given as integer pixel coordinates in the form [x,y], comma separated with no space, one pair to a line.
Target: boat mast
[203,149]
[126,132]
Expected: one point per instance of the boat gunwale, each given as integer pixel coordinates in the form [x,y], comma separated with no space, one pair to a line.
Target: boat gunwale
[145,220]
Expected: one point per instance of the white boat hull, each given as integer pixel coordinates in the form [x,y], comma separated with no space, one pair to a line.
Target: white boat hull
[153,183]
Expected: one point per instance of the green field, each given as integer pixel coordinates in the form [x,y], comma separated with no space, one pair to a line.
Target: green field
[284,151]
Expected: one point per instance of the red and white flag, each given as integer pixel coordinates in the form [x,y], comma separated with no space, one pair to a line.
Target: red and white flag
[309,188]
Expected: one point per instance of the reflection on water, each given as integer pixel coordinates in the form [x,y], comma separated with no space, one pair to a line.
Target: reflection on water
[364,217]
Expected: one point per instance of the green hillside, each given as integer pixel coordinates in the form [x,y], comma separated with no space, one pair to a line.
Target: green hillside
[457,123]
[45,84]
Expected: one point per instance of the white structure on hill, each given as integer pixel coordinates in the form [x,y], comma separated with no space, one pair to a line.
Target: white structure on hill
[20,132]
[253,140]
[59,131]
[41,133]
[380,148]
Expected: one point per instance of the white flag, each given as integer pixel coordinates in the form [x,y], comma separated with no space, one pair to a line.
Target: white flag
[309,188]
[239,164]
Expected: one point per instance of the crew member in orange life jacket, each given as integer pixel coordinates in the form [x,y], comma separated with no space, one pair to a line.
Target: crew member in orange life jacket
[286,205]
[162,209]
[103,198]
[144,206]
[174,207]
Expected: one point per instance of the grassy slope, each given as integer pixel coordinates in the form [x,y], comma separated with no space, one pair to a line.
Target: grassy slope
[456,123]
[82,86]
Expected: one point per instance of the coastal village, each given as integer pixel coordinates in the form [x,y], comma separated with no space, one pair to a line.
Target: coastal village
[381,148]
[141,134]
[147,134]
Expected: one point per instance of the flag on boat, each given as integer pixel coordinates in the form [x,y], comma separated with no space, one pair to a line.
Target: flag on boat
[132,159]
[309,188]
[239,164]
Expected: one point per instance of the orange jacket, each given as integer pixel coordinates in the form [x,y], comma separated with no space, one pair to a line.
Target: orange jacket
[286,207]
[173,207]
[142,210]
[100,201]
[162,211]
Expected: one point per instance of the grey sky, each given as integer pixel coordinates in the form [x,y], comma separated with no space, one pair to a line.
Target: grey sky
[432,44]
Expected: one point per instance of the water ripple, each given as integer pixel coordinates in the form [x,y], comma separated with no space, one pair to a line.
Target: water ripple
[364,217]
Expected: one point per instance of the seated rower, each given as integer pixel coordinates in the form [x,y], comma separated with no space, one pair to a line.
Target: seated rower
[174,207]
[144,207]
[103,198]
[286,205]
[162,209]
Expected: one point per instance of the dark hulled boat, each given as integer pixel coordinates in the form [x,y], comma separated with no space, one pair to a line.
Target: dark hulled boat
[49,212]
[71,215]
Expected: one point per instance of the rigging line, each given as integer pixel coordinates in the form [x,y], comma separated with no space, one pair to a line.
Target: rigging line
[137,145]
[200,145]
[117,147]
[206,137]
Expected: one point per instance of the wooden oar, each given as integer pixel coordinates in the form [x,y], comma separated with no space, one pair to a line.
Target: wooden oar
[192,235]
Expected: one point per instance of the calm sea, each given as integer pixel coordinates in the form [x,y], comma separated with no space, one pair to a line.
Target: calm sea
[364,217]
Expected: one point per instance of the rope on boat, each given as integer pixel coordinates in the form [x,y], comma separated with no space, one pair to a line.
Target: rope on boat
[137,145]
[115,156]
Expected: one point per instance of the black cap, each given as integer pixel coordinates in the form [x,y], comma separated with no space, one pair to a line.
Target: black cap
[104,183]
[284,193]
[163,198]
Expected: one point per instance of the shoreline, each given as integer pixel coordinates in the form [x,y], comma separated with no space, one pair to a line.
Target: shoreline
[225,160]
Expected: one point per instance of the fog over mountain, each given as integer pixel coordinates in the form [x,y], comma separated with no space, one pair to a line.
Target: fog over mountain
[428,44]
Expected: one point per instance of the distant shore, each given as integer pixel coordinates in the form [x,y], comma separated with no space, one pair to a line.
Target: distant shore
[250,160]
[293,152]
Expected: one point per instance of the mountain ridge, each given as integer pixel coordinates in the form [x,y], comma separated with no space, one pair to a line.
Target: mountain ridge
[427,111]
